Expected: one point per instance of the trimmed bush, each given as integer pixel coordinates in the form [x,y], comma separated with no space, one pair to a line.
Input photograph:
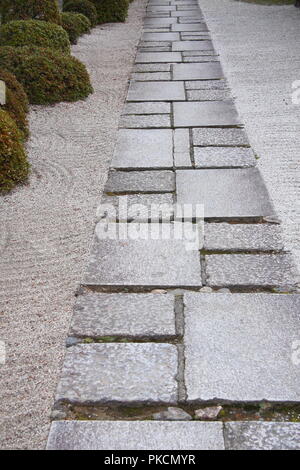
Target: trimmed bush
[16,102]
[14,166]
[45,10]
[75,25]
[110,11]
[34,33]
[47,76]
[85,7]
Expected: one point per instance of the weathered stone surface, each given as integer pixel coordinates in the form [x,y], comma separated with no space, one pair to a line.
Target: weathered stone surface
[192,46]
[190,20]
[221,157]
[194,37]
[242,237]
[200,58]
[172,414]
[160,37]
[238,193]
[205,114]
[161,8]
[220,137]
[147,108]
[263,270]
[158,263]
[206,84]
[201,71]
[189,27]
[186,13]
[151,76]
[152,67]
[210,412]
[119,372]
[156,91]
[159,22]
[156,57]
[135,435]
[143,121]
[207,95]
[130,315]
[182,148]
[262,436]
[140,181]
[238,347]
[200,53]
[149,148]
[155,49]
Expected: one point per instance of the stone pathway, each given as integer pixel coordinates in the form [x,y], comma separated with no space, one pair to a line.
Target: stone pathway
[191,313]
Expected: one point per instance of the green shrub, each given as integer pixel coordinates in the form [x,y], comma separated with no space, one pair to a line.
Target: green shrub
[34,33]
[85,7]
[46,10]
[14,166]
[109,11]
[75,24]
[47,75]
[16,102]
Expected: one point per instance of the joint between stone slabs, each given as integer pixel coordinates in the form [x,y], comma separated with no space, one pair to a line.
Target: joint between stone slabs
[158,339]
[191,146]
[203,268]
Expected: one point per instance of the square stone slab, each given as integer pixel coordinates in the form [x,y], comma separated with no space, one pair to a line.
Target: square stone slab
[140,181]
[220,137]
[226,194]
[129,262]
[242,237]
[119,372]
[199,71]
[261,270]
[222,157]
[144,148]
[206,114]
[156,91]
[135,435]
[192,46]
[131,315]
[238,347]
[262,436]
[189,27]
[156,57]
[160,37]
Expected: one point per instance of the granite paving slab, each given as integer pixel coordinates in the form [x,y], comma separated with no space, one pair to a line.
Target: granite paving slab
[151,76]
[135,435]
[160,37]
[144,148]
[186,13]
[156,57]
[182,156]
[145,121]
[192,46]
[222,157]
[238,347]
[201,71]
[257,270]
[166,48]
[152,67]
[140,181]
[200,58]
[159,21]
[100,373]
[161,8]
[206,84]
[189,27]
[132,315]
[156,91]
[208,95]
[262,436]
[205,114]
[158,107]
[220,137]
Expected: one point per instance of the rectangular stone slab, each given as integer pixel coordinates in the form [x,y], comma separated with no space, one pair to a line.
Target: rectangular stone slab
[135,435]
[156,57]
[208,95]
[131,315]
[119,372]
[159,107]
[238,347]
[189,27]
[220,137]
[260,270]
[192,46]
[186,13]
[159,21]
[262,436]
[160,37]
[140,181]
[226,194]
[199,71]
[162,262]
[145,121]
[206,114]
[144,148]
[156,91]
[222,157]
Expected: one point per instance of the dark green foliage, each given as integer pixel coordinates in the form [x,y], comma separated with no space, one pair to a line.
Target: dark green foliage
[46,10]
[75,25]
[14,166]
[85,7]
[47,75]
[34,33]
[109,11]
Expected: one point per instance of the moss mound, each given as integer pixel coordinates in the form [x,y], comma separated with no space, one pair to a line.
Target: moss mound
[34,33]
[85,7]
[47,76]
[16,87]
[110,11]
[45,10]
[16,102]
[14,166]
[75,25]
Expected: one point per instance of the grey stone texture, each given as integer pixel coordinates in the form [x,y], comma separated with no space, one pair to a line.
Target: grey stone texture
[205,114]
[157,57]
[207,95]
[186,13]
[145,148]
[192,46]
[119,372]
[135,435]
[201,71]
[160,37]
[182,157]
[206,84]
[130,315]
[238,347]
[262,436]
[229,193]
[242,237]
[161,8]
[172,414]
[158,107]
[189,27]
[156,91]
[152,67]
[159,22]
[221,157]
[151,76]
[162,262]
[220,137]
[140,181]
[199,57]
[254,270]
[145,121]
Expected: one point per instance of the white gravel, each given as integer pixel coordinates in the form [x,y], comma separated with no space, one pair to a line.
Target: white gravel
[46,230]
[259,48]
